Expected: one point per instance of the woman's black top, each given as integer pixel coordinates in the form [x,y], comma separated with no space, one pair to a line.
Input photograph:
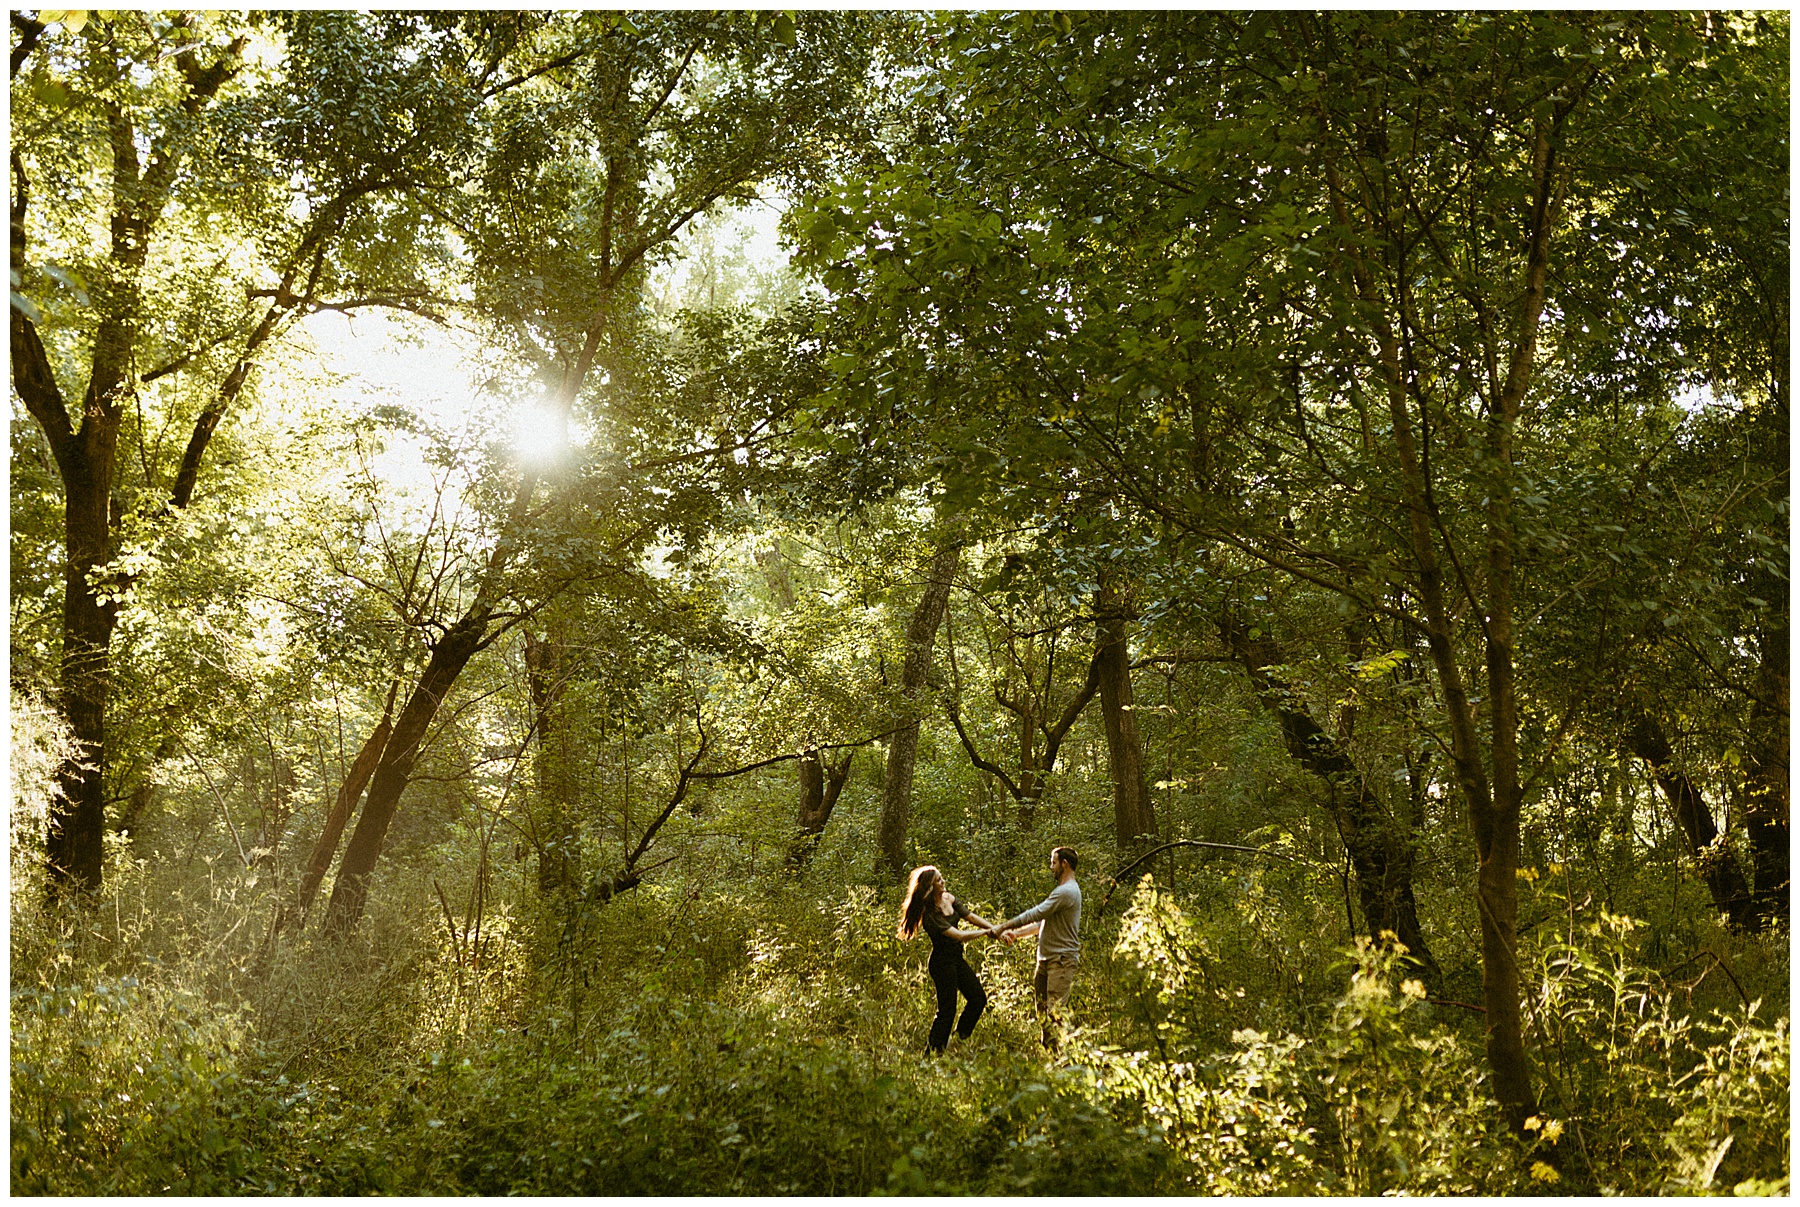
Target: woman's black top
[937,922]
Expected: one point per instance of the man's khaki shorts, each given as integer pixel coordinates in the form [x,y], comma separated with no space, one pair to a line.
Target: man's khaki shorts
[1054,978]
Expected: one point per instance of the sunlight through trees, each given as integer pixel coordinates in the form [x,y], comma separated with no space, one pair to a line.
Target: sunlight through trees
[528,527]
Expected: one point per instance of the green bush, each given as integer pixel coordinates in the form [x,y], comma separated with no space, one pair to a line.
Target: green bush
[1656,1100]
[1375,1103]
[122,1089]
[767,1037]
[735,1098]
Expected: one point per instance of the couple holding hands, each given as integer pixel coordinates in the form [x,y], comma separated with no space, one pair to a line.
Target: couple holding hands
[1056,921]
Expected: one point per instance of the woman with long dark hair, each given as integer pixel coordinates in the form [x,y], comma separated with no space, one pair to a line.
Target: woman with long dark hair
[931,907]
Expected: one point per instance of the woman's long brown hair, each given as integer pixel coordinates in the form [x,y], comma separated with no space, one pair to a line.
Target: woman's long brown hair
[921,890]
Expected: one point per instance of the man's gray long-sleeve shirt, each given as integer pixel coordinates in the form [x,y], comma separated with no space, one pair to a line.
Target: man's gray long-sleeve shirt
[1060,913]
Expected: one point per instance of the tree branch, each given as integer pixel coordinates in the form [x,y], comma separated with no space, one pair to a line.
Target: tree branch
[1117,877]
[29,33]
[552,65]
[981,763]
[36,383]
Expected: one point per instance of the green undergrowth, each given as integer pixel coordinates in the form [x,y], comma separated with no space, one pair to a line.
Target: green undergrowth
[689,1040]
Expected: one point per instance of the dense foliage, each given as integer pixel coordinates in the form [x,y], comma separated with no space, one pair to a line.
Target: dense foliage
[1329,469]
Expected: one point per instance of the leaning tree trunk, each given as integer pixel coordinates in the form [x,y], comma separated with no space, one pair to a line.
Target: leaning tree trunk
[1718,867]
[1380,847]
[903,749]
[349,792]
[448,657]
[1134,819]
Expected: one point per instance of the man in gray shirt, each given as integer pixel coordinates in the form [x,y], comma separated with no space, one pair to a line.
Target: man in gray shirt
[1056,921]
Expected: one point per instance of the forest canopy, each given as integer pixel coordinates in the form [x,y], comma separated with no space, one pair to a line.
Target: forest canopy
[1315,482]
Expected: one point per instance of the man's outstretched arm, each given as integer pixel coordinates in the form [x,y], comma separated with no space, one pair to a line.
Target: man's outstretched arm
[1037,913]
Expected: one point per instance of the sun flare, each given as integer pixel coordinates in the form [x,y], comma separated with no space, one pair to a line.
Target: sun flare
[540,434]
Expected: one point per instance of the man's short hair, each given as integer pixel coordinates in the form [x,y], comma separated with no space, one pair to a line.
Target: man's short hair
[1068,856]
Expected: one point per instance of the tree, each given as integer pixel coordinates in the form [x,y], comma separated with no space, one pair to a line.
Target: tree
[110,109]
[1033,623]
[1379,844]
[903,747]
[156,129]
[821,783]
[1134,820]
[1282,282]
[627,130]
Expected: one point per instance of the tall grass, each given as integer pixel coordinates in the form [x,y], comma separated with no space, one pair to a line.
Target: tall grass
[764,1033]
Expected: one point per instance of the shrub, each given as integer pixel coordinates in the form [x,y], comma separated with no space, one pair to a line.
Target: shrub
[1375,1103]
[1655,1099]
[121,1089]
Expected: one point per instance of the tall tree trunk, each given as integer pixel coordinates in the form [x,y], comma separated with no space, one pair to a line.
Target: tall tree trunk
[1766,817]
[1493,815]
[86,454]
[1491,786]
[903,748]
[1380,846]
[452,652]
[78,818]
[1718,867]
[559,851]
[821,783]
[1134,820]
[86,460]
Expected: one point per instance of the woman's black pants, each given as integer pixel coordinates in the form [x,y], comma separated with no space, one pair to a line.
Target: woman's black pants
[950,973]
